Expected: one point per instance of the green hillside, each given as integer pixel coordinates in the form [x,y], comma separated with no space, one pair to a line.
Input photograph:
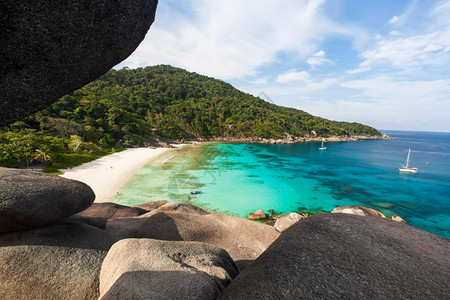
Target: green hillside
[136,105]
[131,107]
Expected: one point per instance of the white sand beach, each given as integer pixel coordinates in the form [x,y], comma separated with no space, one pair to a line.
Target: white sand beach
[107,174]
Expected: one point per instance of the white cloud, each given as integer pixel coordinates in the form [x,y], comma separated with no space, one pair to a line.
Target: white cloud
[293,76]
[430,48]
[318,59]
[232,39]
[394,20]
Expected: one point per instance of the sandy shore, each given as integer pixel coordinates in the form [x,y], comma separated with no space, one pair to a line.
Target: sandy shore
[106,174]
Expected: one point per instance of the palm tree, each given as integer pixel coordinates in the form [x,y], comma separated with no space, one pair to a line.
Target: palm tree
[43,154]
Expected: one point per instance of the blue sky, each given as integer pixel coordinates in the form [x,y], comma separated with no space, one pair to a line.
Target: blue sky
[385,63]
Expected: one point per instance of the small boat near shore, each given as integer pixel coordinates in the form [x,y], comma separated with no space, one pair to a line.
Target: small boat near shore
[196,192]
[322,147]
[406,168]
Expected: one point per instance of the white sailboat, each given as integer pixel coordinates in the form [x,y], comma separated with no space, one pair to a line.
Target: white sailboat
[406,168]
[322,147]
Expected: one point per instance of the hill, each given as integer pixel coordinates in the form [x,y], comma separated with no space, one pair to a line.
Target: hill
[133,106]
[130,107]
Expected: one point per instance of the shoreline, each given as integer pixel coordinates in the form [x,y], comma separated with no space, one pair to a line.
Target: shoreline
[297,140]
[108,173]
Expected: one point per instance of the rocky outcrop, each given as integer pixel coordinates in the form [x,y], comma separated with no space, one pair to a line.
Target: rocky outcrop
[287,221]
[51,48]
[342,256]
[398,219]
[109,210]
[172,206]
[61,261]
[257,215]
[358,210]
[151,269]
[31,199]
[244,240]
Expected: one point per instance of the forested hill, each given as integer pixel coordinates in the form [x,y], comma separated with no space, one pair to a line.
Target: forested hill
[132,106]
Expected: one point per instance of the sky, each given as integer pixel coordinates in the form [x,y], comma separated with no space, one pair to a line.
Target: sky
[384,63]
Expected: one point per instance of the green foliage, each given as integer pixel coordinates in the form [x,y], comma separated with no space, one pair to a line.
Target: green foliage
[130,107]
[20,148]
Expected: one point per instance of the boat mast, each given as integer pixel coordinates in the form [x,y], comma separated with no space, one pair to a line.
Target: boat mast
[407,159]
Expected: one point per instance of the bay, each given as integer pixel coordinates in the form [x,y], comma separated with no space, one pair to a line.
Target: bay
[238,179]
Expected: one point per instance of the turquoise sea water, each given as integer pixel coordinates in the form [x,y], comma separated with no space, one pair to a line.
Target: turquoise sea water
[240,178]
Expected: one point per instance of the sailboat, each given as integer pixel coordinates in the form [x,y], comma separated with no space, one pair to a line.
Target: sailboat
[406,168]
[322,147]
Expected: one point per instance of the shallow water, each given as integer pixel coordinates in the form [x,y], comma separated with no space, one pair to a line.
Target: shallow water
[240,178]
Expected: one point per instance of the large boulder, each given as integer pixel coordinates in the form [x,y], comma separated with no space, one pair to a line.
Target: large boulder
[357,210]
[151,269]
[109,210]
[244,240]
[61,261]
[50,48]
[341,256]
[31,199]
[287,221]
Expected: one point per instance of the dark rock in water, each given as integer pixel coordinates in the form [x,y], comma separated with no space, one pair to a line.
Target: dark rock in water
[54,262]
[31,199]
[111,210]
[51,48]
[244,240]
[151,269]
[341,256]
[358,210]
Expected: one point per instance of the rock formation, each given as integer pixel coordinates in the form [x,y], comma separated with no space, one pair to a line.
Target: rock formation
[60,261]
[30,199]
[151,269]
[287,221]
[244,240]
[358,210]
[342,256]
[51,48]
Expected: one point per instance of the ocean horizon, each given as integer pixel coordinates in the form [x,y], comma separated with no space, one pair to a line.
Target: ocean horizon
[240,178]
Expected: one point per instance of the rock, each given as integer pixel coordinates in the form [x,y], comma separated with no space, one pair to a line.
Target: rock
[150,206]
[31,199]
[61,261]
[341,256]
[358,210]
[151,269]
[244,240]
[109,210]
[398,219]
[257,215]
[172,206]
[51,48]
[287,221]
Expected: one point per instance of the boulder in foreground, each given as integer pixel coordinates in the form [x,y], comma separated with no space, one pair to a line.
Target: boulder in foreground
[341,256]
[244,240]
[61,261]
[31,199]
[51,48]
[151,269]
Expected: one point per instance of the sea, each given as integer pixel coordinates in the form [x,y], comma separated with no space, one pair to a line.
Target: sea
[239,178]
